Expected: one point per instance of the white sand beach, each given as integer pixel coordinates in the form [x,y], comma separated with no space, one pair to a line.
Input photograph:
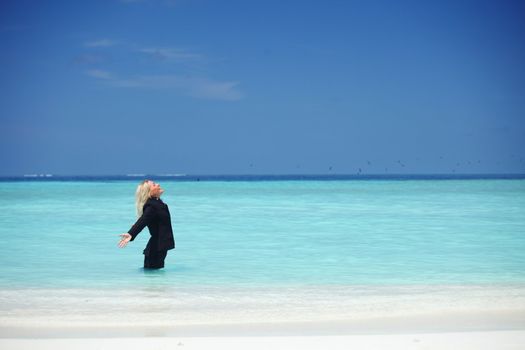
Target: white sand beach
[501,340]
[403,317]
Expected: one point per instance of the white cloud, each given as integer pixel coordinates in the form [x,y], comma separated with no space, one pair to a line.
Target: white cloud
[100,43]
[191,86]
[166,53]
[222,90]
[99,74]
[199,87]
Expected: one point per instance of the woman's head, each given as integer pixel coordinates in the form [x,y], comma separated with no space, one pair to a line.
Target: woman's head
[155,190]
[145,190]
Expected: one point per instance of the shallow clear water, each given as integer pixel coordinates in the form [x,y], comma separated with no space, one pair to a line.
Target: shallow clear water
[267,233]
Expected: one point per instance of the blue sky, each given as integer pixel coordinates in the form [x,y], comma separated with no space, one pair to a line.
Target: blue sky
[262,87]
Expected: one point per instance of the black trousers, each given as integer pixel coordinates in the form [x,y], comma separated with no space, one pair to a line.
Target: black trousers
[154,260]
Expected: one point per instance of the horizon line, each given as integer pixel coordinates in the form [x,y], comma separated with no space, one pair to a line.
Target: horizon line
[297,176]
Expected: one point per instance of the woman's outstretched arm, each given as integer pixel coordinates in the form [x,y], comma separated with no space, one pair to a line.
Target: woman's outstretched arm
[126,237]
[147,216]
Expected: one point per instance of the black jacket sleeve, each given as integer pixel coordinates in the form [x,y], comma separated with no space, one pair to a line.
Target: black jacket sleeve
[147,217]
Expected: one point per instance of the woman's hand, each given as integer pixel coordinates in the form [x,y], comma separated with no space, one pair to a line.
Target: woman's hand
[126,237]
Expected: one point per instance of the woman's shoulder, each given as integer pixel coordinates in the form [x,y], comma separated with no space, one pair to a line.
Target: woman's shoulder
[153,202]
[151,205]
[157,203]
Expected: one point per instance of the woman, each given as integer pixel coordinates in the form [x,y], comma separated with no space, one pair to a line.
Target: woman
[154,213]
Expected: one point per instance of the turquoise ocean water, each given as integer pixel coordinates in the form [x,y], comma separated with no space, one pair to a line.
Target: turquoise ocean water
[64,234]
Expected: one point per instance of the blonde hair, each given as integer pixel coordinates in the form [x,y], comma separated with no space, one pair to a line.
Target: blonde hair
[141,196]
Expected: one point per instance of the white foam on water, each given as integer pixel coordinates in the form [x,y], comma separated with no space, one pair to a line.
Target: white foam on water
[204,305]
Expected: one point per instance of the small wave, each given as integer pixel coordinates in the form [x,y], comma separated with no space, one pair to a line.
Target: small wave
[38,175]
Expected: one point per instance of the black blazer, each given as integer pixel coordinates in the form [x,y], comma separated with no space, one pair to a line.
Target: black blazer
[156,216]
